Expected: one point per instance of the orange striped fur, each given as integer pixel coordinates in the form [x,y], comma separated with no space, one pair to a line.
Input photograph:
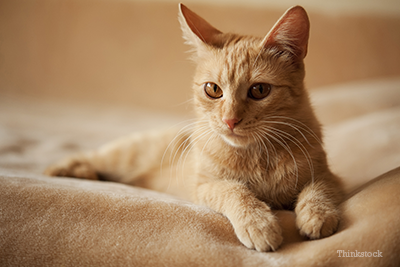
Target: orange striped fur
[255,146]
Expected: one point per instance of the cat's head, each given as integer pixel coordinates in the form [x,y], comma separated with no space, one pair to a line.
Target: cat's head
[243,83]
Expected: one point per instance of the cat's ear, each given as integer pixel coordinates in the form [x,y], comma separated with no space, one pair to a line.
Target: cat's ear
[290,33]
[196,31]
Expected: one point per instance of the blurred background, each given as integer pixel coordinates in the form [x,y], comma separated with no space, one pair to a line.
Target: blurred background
[130,53]
[75,74]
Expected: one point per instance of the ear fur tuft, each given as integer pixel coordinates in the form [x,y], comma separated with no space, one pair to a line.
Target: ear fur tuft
[196,30]
[291,32]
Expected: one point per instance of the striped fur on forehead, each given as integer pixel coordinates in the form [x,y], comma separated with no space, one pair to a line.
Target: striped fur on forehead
[237,59]
[238,54]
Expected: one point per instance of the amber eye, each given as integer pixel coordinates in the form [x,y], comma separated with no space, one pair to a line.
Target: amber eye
[213,90]
[259,91]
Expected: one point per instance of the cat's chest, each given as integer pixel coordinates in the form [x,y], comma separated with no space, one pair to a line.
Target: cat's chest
[270,179]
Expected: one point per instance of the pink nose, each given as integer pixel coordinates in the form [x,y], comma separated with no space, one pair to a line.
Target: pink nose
[231,122]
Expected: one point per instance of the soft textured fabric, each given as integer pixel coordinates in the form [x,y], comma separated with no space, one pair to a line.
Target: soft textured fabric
[69,222]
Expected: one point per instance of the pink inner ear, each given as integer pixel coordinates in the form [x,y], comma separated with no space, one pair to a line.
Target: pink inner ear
[199,26]
[290,32]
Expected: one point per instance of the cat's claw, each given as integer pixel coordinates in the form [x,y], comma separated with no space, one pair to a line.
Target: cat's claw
[317,222]
[261,231]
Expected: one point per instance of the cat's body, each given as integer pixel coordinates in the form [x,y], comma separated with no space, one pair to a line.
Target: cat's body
[255,145]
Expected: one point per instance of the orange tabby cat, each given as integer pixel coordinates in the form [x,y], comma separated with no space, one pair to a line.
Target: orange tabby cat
[255,145]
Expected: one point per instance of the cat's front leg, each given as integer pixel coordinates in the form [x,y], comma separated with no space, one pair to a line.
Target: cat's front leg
[317,212]
[124,160]
[253,221]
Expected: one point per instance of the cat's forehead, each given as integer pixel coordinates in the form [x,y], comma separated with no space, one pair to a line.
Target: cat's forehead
[237,61]
[240,61]
[240,48]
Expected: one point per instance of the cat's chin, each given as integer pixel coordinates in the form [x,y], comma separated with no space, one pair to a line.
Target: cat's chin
[235,140]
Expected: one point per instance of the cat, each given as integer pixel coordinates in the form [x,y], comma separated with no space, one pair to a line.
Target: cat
[255,145]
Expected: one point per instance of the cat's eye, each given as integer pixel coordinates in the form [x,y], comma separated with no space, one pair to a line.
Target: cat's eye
[213,90]
[259,91]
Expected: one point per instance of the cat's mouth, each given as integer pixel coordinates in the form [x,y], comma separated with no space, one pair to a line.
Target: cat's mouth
[235,139]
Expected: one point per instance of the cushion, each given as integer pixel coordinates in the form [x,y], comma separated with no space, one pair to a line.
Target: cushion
[48,221]
[70,222]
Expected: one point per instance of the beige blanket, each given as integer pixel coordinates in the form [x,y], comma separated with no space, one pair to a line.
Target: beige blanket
[68,222]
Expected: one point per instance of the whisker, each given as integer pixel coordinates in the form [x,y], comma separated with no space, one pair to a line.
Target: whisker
[258,55]
[171,161]
[285,146]
[207,142]
[187,128]
[259,139]
[181,131]
[183,157]
[303,127]
[292,126]
[185,144]
[184,102]
[302,148]
[255,138]
[180,135]
[194,144]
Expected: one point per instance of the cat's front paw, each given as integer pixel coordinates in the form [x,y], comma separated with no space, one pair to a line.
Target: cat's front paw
[259,230]
[316,221]
[73,167]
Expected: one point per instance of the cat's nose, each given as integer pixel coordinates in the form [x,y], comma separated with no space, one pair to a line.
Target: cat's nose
[231,122]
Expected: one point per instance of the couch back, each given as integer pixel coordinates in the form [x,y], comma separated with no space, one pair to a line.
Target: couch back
[132,53]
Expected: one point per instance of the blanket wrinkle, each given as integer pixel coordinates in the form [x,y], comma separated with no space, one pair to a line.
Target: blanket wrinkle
[71,229]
